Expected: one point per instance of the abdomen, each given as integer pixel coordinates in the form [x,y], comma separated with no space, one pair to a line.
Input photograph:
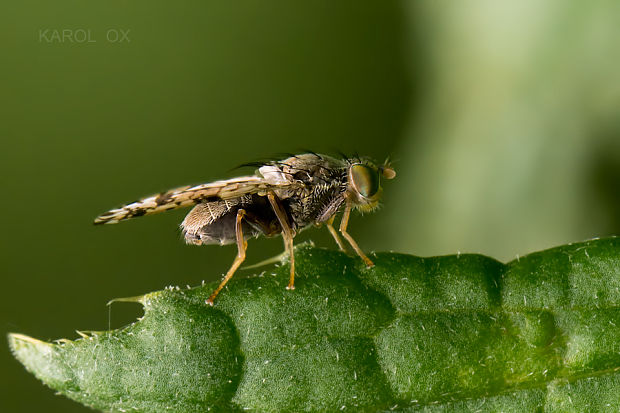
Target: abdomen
[214,222]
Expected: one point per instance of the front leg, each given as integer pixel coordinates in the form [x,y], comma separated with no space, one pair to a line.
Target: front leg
[330,228]
[345,234]
[287,234]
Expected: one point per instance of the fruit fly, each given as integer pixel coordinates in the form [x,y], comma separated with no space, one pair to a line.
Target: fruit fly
[282,198]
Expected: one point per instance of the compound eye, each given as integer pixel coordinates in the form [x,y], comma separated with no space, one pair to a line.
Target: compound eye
[365,180]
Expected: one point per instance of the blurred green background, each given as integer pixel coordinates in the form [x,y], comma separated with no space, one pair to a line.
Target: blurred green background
[503,119]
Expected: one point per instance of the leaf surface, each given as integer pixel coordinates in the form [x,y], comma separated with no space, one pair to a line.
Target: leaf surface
[452,333]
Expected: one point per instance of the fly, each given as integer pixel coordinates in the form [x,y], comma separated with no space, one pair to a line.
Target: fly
[282,198]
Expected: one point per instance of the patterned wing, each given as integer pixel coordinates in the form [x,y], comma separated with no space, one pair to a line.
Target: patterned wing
[190,195]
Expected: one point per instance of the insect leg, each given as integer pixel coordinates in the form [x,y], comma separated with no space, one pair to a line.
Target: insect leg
[287,234]
[242,245]
[343,230]
[330,227]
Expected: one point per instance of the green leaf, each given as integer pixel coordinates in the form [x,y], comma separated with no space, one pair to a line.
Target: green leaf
[454,333]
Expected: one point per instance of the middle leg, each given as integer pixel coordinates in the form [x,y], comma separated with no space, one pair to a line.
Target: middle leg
[287,234]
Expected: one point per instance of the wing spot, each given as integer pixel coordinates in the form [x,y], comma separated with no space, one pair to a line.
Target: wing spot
[163,198]
[138,213]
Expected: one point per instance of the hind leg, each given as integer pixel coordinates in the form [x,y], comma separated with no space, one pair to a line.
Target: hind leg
[242,246]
